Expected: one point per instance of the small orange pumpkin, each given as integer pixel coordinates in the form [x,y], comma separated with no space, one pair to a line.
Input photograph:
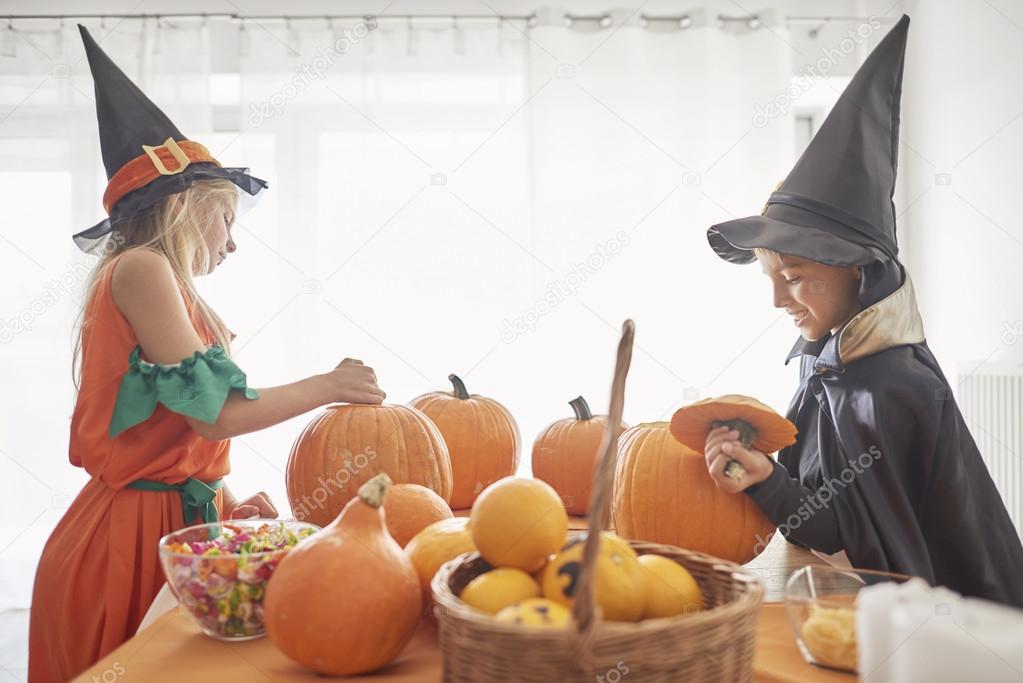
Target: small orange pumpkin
[347,600]
[565,455]
[436,544]
[410,508]
[662,493]
[759,426]
[346,445]
[481,435]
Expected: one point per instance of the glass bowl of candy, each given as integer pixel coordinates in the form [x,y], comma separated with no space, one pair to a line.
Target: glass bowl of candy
[219,571]
[820,603]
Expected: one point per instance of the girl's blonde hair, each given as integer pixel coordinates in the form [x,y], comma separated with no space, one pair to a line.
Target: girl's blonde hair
[768,255]
[173,227]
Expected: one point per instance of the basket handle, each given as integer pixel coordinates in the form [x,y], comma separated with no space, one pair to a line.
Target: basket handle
[584,608]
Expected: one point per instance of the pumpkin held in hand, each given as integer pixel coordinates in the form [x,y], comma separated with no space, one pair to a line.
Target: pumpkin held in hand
[662,493]
[346,445]
[619,586]
[565,455]
[759,426]
[410,508]
[346,601]
[481,435]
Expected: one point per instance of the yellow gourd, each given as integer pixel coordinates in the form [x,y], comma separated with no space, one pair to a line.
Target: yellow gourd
[670,588]
[493,591]
[619,585]
[536,613]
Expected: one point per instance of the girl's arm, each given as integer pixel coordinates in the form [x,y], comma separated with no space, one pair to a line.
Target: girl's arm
[146,292]
[804,516]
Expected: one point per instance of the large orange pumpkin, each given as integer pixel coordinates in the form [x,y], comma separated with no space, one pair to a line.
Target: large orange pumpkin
[481,435]
[346,445]
[565,455]
[664,494]
[410,508]
[347,600]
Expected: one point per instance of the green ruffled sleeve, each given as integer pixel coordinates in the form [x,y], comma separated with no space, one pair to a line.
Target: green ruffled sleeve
[197,387]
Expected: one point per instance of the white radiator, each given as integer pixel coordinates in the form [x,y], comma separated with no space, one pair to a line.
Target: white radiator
[991,400]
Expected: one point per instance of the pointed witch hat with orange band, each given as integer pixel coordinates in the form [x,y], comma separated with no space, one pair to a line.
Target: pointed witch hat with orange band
[145,155]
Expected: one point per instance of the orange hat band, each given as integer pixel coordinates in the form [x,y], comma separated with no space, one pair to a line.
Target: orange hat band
[170,158]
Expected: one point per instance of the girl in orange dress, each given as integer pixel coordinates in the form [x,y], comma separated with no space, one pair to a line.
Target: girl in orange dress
[158,395]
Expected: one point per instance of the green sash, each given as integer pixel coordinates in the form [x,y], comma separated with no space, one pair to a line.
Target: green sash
[196,496]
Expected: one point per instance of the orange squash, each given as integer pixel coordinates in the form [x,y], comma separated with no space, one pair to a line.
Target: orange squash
[410,508]
[663,493]
[565,455]
[481,435]
[347,600]
[758,424]
[518,523]
[346,445]
[436,544]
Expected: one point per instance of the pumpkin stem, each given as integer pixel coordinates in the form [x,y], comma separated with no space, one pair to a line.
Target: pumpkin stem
[373,492]
[459,385]
[747,432]
[581,408]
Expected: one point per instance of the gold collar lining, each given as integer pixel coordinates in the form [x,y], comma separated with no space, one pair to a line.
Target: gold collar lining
[892,321]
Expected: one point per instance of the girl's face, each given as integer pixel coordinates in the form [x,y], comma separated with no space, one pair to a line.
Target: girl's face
[819,298]
[217,236]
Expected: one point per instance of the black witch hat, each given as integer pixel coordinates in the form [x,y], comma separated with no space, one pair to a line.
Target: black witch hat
[145,155]
[835,206]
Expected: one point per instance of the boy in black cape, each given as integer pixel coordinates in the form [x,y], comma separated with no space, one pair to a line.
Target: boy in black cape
[884,467]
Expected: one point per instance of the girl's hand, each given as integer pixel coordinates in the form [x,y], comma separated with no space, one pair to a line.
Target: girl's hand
[353,382]
[722,446]
[258,505]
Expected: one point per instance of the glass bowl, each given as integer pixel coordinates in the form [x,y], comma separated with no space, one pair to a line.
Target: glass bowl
[219,571]
[820,603]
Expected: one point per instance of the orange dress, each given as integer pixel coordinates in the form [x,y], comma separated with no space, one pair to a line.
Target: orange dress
[100,569]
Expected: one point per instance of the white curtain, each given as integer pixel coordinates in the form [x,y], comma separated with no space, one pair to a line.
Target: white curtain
[489,198]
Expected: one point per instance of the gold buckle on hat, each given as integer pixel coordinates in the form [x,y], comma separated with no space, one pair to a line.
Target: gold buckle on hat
[171,146]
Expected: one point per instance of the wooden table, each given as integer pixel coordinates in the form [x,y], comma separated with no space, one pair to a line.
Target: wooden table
[173,648]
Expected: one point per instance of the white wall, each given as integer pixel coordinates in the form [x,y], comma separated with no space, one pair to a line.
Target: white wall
[961,177]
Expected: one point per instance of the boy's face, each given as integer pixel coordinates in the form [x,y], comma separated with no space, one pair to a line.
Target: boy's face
[819,298]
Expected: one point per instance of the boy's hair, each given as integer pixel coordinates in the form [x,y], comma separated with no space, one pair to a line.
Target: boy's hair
[173,227]
[767,254]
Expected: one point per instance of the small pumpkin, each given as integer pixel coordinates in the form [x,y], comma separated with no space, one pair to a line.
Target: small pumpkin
[662,494]
[759,426]
[347,600]
[518,523]
[565,455]
[494,590]
[436,544]
[346,445]
[536,613]
[481,436]
[619,585]
[410,508]
[670,588]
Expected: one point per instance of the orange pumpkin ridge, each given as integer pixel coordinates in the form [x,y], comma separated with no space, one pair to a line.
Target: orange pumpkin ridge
[662,493]
[346,445]
[481,436]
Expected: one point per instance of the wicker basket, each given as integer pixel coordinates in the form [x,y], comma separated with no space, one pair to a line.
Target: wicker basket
[715,644]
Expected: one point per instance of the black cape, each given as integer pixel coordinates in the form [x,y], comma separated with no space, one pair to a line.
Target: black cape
[885,467]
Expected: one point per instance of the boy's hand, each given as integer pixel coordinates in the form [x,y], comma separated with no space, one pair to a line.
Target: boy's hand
[722,447]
